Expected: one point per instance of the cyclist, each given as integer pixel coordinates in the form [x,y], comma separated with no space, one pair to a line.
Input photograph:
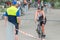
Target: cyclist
[40,17]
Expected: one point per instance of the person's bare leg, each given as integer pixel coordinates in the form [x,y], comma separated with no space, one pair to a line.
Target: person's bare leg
[16,37]
[43,29]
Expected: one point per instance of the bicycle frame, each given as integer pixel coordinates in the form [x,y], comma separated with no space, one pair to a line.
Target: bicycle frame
[39,30]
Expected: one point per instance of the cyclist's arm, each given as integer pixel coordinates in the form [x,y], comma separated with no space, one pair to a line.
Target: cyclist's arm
[36,14]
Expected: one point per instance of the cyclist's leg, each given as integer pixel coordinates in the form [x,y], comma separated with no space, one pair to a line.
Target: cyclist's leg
[43,28]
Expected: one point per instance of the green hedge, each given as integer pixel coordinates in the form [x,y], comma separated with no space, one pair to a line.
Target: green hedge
[57,4]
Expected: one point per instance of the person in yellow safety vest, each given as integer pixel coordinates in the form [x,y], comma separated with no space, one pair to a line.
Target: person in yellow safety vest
[12,18]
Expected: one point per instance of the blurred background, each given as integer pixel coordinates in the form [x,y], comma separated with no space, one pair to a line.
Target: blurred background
[52,12]
[6,3]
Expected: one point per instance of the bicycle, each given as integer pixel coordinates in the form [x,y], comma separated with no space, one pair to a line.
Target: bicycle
[39,30]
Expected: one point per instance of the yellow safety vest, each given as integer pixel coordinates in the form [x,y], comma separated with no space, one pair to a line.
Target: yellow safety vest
[12,11]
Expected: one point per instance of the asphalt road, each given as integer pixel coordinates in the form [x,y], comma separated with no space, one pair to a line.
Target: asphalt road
[27,25]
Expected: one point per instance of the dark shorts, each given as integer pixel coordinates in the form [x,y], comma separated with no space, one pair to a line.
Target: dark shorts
[42,22]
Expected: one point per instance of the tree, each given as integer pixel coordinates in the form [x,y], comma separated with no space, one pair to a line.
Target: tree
[46,0]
